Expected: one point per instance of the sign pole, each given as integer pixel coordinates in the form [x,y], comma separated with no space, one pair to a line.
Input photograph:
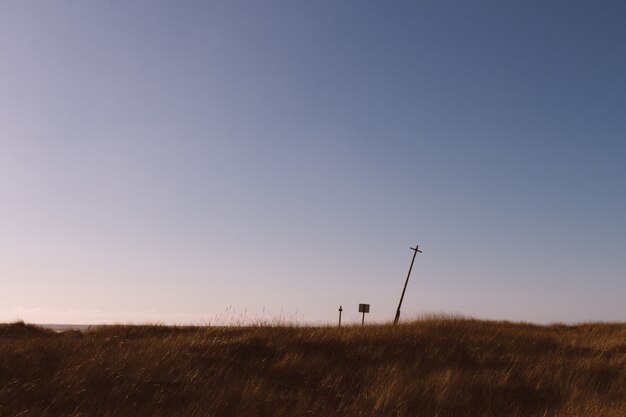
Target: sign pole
[340,310]
[364,308]
[415,250]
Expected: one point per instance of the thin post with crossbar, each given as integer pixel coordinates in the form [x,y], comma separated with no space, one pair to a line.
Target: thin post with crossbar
[415,250]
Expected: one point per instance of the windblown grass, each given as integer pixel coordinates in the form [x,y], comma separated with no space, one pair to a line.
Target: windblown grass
[431,367]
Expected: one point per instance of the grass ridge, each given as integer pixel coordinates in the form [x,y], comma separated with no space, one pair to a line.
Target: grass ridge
[435,366]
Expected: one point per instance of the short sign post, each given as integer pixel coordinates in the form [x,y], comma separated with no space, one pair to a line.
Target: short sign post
[364,308]
[340,310]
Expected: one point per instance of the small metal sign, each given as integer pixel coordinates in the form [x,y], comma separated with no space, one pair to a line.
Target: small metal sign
[364,308]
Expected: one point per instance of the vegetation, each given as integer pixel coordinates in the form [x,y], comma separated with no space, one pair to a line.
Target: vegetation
[431,367]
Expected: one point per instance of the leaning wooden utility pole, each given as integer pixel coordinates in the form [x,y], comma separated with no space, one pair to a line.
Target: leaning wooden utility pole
[415,249]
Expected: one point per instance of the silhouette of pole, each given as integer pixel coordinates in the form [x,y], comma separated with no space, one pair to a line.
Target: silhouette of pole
[415,250]
[340,310]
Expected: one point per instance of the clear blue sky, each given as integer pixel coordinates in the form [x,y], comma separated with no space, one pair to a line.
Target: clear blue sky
[202,161]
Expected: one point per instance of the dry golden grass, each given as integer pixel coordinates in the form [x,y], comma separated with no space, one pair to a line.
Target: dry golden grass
[432,367]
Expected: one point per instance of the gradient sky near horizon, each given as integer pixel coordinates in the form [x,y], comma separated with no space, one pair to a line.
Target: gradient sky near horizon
[188,162]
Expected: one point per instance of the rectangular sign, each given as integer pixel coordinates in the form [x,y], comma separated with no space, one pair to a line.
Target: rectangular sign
[364,308]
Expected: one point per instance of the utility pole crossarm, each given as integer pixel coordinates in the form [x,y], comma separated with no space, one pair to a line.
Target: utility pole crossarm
[415,250]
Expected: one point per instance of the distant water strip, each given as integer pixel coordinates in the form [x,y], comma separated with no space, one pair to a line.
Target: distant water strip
[60,328]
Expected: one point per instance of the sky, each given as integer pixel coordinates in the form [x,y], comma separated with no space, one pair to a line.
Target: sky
[236,162]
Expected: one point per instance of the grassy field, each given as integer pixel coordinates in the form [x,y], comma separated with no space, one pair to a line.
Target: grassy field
[432,367]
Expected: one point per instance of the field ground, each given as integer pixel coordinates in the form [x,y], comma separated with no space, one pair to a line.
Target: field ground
[432,367]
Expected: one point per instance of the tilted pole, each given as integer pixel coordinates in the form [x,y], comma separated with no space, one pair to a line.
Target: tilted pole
[415,250]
